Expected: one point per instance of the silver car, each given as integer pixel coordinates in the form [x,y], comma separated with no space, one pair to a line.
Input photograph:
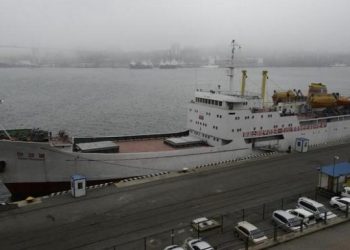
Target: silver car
[286,221]
[307,217]
[173,247]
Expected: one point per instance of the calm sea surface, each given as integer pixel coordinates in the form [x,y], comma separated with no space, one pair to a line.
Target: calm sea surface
[124,102]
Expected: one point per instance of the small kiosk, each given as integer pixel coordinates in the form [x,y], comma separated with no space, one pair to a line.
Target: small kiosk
[301,145]
[78,185]
[333,177]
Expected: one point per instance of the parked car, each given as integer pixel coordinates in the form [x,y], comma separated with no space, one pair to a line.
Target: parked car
[307,217]
[346,192]
[198,244]
[173,247]
[340,202]
[318,209]
[286,221]
[204,224]
[246,230]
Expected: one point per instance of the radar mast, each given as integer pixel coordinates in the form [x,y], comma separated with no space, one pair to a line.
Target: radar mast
[231,66]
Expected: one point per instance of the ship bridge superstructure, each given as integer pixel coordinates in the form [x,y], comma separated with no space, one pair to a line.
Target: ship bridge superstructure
[220,117]
[227,100]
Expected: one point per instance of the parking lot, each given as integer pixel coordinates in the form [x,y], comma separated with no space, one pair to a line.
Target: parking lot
[222,237]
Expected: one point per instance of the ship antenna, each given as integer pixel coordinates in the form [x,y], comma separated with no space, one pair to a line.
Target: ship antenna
[231,66]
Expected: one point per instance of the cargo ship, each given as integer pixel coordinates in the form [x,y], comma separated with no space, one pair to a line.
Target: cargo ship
[222,125]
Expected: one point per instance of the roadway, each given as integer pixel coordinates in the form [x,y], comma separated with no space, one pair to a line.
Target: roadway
[112,216]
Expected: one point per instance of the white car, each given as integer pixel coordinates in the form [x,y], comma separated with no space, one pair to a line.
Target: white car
[197,244]
[318,209]
[204,224]
[307,217]
[346,192]
[340,202]
[173,247]
[246,230]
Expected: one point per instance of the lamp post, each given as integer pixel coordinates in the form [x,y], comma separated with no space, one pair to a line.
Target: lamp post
[2,128]
[336,157]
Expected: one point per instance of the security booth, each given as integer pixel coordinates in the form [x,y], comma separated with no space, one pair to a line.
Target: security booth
[334,177]
[78,185]
[301,145]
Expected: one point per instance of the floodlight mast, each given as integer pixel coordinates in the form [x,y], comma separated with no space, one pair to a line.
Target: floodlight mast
[2,127]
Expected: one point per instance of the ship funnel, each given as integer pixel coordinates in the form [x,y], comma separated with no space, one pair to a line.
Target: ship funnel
[263,85]
[244,77]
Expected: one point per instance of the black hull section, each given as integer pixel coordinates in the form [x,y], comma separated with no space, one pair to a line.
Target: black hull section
[23,190]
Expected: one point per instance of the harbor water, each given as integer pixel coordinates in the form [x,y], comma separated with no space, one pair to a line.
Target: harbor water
[94,101]
[108,101]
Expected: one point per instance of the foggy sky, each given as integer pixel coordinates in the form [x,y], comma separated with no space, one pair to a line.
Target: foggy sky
[307,25]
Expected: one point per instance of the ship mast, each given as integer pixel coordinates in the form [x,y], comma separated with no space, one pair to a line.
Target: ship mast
[231,66]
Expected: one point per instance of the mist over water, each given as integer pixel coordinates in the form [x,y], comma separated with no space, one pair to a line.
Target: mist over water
[276,25]
[125,102]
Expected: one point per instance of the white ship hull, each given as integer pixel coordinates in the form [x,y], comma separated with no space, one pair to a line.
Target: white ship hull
[33,175]
[25,175]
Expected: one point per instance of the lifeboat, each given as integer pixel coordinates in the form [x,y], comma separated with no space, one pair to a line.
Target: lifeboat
[343,101]
[322,101]
[283,96]
[317,88]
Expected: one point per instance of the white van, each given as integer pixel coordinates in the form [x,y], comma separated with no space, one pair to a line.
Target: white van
[318,209]
[244,230]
